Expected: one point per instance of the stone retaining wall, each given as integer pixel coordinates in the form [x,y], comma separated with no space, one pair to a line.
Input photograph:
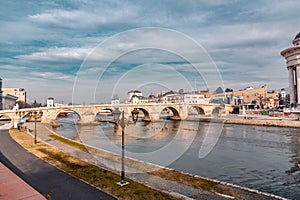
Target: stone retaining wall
[264,122]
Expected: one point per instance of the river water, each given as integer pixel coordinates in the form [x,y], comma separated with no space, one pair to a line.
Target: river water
[263,158]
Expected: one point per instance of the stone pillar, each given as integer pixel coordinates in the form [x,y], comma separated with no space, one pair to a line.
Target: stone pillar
[87,119]
[298,84]
[292,85]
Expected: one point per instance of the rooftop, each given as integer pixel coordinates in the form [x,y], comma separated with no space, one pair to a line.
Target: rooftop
[297,36]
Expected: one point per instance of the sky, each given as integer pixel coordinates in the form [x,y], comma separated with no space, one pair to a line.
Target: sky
[84,51]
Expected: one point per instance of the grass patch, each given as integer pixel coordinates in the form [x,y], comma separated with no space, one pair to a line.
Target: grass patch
[69,142]
[186,179]
[168,174]
[92,174]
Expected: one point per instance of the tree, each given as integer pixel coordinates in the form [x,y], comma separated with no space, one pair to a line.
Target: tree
[181,91]
[219,90]
[228,90]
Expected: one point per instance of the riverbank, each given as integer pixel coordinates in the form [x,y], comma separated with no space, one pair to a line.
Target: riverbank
[164,179]
[87,172]
[254,120]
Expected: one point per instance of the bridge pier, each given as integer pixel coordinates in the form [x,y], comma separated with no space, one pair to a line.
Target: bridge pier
[86,119]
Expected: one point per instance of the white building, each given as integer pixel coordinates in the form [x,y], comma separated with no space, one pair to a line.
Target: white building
[20,93]
[138,100]
[133,92]
[50,102]
[283,93]
[8,101]
[191,98]
[171,98]
[115,102]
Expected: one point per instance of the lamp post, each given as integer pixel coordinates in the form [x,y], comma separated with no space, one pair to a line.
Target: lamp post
[20,122]
[135,114]
[116,113]
[36,115]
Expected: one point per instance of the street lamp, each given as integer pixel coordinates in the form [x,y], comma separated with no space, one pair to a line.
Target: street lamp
[116,113]
[36,115]
[19,121]
[135,114]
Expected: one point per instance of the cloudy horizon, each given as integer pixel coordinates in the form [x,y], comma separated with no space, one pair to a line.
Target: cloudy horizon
[47,46]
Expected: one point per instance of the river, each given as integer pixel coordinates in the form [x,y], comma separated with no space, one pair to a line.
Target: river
[263,158]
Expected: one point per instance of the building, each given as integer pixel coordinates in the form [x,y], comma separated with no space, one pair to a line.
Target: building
[292,57]
[235,100]
[191,98]
[133,92]
[0,94]
[282,93]
[50,102]
[170,97]
[8,101]
[115,102]
[256,97]
[251,95]
[18,92]
[138,99]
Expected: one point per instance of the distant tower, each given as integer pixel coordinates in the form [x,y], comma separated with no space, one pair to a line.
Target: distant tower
[0,94]
[50,102]
[292,56]
[282,93]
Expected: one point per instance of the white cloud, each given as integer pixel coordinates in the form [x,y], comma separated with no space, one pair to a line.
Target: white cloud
[57,54]
[52,76]
[82,19]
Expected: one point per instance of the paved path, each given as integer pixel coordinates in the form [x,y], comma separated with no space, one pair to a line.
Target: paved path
[13,187]
[172,187]
[43,177]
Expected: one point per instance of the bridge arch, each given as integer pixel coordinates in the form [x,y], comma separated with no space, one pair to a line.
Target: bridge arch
[196,110]
[6,116]
[165,113]
[217,111]
[104,115]
[145,113]
[61,114]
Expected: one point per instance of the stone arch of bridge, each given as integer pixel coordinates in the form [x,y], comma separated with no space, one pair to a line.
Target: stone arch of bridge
[145,113]
[109,109]
[55,115]
[217,111]
[175,112]
[102,116]
[196,110]
[6,116]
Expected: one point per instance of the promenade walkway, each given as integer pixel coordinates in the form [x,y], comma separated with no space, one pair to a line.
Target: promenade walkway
[13,187]
[175,188]
[171,187]
[41,176]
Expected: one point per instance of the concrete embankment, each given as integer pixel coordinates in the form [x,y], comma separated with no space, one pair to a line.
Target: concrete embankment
[256,121]
[265,122]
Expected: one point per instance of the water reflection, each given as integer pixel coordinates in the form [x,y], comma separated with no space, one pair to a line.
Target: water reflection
[264,158]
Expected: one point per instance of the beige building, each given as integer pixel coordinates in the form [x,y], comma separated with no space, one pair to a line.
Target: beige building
[258,96]
[18,92]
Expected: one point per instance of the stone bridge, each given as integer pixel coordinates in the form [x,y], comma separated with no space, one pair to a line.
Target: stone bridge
[150,112]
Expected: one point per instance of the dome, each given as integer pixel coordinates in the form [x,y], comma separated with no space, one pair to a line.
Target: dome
[297,36]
